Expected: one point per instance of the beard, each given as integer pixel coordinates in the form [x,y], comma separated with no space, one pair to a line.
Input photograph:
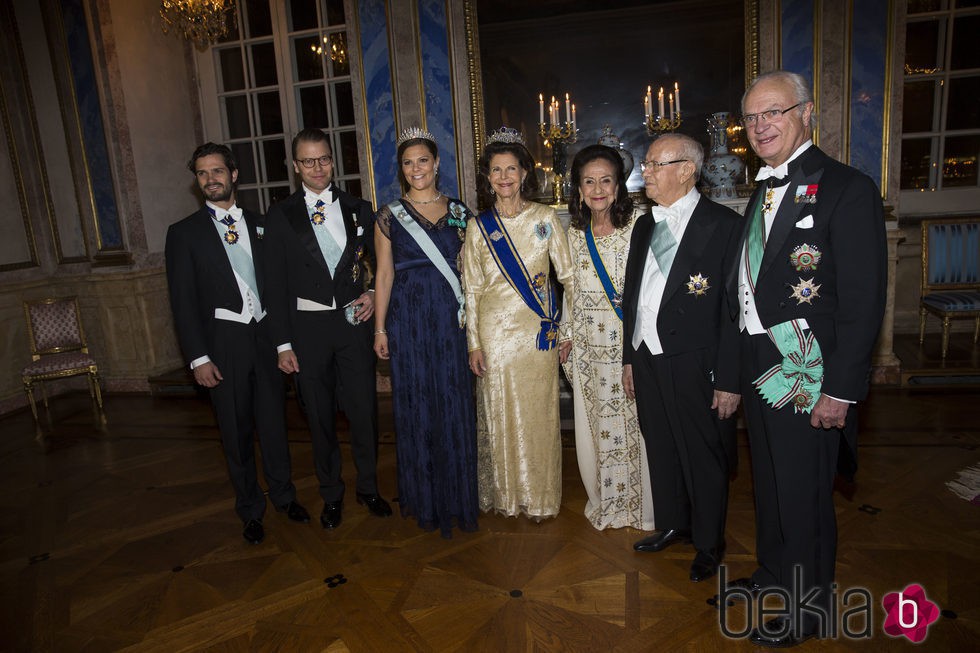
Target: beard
[220,193]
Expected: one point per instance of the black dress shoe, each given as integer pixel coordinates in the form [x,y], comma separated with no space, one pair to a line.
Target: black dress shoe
[330,517]
[746,587]
[778,633]
[253,533]
[706,563]
[662,539]
[378,506]
[295,512]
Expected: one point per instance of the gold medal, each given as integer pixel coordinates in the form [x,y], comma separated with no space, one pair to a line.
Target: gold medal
[698,285]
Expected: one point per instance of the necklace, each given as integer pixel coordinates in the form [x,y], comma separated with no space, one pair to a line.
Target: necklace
[504,214]
[415,201]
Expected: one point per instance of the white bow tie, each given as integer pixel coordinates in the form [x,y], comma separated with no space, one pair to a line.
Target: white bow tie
[661,213]
[234,212]
[779,172]
[326,197]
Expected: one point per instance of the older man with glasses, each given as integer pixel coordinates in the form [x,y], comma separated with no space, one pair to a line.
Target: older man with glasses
[316,241]
[680,351]
[810,288]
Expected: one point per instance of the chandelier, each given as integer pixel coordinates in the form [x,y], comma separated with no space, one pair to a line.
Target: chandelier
[199,21]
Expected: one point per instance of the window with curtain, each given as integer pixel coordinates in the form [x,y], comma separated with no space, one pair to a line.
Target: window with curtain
[283,67]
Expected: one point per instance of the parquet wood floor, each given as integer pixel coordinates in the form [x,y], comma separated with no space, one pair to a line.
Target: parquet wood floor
[126,540]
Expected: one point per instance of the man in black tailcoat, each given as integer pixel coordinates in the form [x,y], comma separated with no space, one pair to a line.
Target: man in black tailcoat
[810,289]
[680,354]
[216,280]
[316,241]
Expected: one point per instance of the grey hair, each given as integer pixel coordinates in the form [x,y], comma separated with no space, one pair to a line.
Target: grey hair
[798,85]
[688,149]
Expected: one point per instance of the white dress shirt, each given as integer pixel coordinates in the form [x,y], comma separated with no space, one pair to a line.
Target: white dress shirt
[652,287]
[251,304]
[748,317]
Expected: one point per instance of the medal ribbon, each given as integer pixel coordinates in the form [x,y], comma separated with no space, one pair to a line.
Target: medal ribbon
[429,248]
[797,378]
[615,299]
[512,267]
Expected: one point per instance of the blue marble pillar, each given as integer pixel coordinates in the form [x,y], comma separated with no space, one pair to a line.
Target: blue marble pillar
[869,44]
[796,37]
[437,93]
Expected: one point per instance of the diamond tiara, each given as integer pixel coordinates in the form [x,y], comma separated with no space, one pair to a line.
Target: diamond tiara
[506,135]
[413,133]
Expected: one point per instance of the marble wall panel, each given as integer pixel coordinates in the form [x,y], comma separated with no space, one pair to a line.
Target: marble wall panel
[378,99]
[796,37]
[869,43]
[438,91]
[89,116]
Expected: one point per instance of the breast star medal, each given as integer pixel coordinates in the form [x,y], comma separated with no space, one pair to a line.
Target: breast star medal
[495,235]
[698,285]
[805,291]
[805,258]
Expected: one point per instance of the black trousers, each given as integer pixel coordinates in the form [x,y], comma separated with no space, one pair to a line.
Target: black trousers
[250,399]
[690,451]
[337,368]
[793,467]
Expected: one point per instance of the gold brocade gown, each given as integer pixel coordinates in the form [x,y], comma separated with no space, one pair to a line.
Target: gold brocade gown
[518,429]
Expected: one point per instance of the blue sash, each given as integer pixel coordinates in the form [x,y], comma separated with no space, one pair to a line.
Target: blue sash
[429,248]
[512,267]
[615,299]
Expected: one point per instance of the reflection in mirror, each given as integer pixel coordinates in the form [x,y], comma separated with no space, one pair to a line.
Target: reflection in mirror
[605,58]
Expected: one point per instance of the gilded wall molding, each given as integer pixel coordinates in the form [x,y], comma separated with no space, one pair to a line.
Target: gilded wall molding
[9,22]
[472,28]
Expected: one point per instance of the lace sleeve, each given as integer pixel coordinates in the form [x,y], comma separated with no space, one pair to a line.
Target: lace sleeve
[383,220]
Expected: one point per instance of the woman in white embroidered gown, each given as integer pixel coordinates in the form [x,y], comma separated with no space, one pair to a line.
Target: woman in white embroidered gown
[611,454]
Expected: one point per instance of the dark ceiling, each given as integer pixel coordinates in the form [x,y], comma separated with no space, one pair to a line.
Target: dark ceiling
[502,11]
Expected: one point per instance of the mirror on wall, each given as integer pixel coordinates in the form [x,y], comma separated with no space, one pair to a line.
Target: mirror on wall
[604,56]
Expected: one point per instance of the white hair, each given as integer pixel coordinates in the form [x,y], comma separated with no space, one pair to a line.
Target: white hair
[798,85]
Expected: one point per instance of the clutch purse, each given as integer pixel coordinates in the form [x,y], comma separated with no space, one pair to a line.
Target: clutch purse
[349,311]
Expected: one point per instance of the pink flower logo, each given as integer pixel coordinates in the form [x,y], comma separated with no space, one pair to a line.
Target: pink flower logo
[910,613]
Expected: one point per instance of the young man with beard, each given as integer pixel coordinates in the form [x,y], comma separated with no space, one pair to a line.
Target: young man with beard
[216,284]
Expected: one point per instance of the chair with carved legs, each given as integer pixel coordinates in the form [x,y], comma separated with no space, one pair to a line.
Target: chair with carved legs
[58,350]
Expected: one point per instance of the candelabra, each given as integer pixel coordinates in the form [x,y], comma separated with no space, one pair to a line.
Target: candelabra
[559,137]
[657,125]
[661,123]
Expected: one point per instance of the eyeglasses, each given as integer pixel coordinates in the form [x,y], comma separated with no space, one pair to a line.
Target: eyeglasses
[657,165]
[324,161]
[772,115]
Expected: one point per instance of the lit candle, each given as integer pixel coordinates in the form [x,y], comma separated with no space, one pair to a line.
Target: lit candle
[670,99]
[540,109]
[554,111]
[648,102]
[677,98]
[573,116]
[568,109]
[660,103]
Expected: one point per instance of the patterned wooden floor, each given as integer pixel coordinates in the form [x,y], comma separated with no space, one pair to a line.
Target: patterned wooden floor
[127,540]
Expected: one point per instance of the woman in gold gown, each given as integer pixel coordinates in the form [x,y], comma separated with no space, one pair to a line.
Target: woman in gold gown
[512,332]
[611,453]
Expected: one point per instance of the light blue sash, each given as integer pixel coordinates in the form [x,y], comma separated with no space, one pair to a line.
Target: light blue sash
[615,299]
[512,267]
[424,241]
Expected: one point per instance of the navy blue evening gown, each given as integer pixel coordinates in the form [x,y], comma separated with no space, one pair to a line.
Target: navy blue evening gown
[432,392]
